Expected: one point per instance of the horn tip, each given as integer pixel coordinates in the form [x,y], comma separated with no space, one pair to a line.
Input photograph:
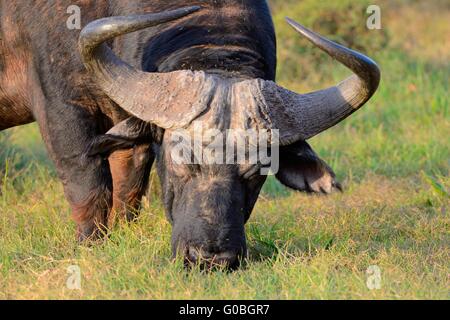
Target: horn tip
[289,20]
[297,26]
[192,9]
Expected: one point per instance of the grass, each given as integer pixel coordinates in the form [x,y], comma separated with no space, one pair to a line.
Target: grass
[393,157]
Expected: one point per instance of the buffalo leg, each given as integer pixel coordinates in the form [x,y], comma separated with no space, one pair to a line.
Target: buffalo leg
[130,171]
[67,130]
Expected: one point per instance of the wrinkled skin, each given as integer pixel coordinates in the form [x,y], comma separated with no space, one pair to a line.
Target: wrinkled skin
[208,206]
[104,176]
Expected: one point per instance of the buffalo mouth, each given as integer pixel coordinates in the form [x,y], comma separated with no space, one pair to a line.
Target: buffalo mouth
[228,260]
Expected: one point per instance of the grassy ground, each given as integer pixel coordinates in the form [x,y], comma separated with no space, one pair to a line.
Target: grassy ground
[393,157]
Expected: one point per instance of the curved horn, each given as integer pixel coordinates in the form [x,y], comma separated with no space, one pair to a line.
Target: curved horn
[165,99]
[302,116]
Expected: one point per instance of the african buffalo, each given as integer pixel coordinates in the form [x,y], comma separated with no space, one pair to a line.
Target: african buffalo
[107,107]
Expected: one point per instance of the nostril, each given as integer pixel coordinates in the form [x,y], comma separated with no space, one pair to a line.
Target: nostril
[192,255]
[228,257]
[210,259]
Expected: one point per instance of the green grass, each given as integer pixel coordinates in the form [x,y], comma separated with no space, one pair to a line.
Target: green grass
[393,157]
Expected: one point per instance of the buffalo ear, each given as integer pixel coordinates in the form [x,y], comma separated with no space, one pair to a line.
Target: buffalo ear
[105,144]
[302,170]
[124,135]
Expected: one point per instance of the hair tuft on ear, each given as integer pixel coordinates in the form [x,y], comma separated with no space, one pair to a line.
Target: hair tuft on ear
[105,144]
[302,170]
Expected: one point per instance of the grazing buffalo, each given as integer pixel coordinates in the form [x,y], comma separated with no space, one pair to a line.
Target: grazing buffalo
[108,105]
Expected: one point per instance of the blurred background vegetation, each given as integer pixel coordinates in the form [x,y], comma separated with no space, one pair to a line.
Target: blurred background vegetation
[393,157]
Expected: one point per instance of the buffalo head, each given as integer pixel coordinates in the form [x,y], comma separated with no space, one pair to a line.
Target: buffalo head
[209,202]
